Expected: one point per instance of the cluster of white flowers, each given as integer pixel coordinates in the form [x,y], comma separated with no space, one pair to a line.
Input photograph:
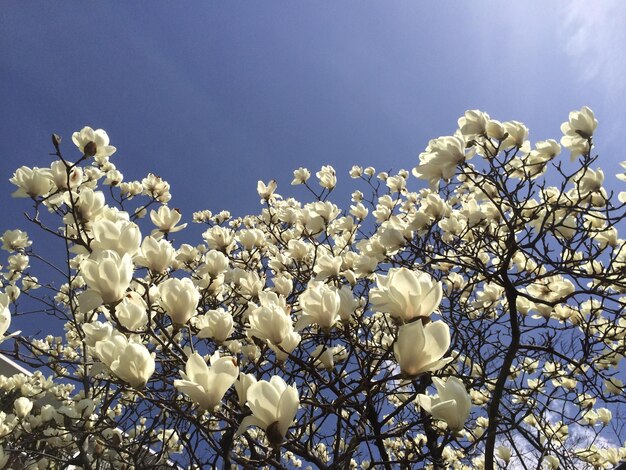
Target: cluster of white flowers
[408,323]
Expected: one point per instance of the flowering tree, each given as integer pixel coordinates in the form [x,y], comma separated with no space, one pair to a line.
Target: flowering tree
[473,324]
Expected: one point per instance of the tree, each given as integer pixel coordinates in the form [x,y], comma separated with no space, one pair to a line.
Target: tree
[476,323]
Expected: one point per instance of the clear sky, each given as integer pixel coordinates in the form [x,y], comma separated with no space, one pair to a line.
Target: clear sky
[214,96]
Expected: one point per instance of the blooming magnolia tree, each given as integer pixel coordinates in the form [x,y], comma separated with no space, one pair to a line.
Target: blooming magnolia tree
[475,323]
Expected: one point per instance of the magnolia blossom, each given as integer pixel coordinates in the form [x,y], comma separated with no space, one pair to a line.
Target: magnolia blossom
[266,191]
[271,321]
[215,263]
[420,348]
[516,134]
[242,385]
[473,123]
[452,404]
[216,324]
[219,238]
[15,240]
[440,159]
[156,255]
[327,177]
[97,332]
[300,176]
[165,220]
[504,453]
[286,346]
[325,358]
[580,127]
[60,177]
[90,204]
[274,405]
[134,365]
[127,359]
[320,304]
[347,303]
[31,182]
[206,385]
[179,299]
[108,341]
[108,275]
[93,143]
[131,312]
[157,188]
[405,294]
[22,406]
[590,181]
[5,313]
[327,266]
[121,236]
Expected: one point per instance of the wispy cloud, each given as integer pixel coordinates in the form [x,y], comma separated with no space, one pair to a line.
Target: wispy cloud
[594,38]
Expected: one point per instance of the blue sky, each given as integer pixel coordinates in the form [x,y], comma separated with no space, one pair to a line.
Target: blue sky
[213,96]
[216,95]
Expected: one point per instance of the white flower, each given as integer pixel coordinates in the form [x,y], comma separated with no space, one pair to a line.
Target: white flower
[206,385]
[266,191]
[325,358]
[604,415]
[274,405]
[581,123]
[286,346]
[121,236]
[473,123]
[347,304]
[156,255]
[300,176]
[22,407]
[576,132]
[60,178]
[90,204]
[405,294]
[216,324]
[215,263]
[242,385]
[504,453]
[516,134]
[165,220]
[31,182]
[219,238]
[156,187]
[590,181]
[15,240]
[108,276]
[452,405]
[131,312]
[134,365]
[93,143]
[96,332]
[327,266]
[320,304]
[251,238]
[420,348]
[440,159]
[179,299]
[356,171]
[271,321]
[5,313]
[109,347]
[327,177]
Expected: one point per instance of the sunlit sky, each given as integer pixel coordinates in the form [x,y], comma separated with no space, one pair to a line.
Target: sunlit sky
[213,96]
